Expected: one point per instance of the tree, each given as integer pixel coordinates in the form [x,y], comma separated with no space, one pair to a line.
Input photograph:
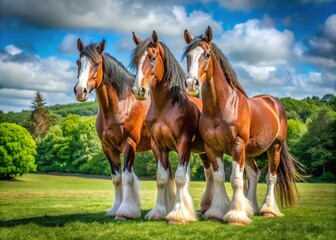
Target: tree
[40,117]
[317,148]
[17,151]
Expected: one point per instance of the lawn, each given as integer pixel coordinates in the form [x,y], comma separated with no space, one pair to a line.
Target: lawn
[73,207]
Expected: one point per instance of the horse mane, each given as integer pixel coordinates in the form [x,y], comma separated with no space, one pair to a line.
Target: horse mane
[173,71]
[226,67]
[113,71]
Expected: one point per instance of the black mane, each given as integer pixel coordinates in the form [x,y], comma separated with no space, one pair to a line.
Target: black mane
[114,71]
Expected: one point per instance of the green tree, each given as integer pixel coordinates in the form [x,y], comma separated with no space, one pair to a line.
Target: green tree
[317,148]
[40,117]
[17,151]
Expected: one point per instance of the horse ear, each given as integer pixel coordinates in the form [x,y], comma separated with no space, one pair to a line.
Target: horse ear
[136,39]
[208,34]
[101,47]
[187,36]
[80,45]
[155,38]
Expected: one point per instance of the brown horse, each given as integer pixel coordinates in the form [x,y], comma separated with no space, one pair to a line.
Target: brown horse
[172,122]
[119,124]
[243,127]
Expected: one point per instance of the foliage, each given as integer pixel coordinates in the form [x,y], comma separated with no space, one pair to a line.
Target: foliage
[317,147]
[17,151]
[40,117]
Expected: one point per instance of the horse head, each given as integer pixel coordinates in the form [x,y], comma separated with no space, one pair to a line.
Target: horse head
[90,69]
[148,57]
[198,54]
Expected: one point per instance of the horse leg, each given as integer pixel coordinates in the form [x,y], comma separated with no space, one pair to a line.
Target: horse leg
[114,160]
[130,206]
[183,210]
[270,208]
[209,187]
[220,202]
[253,174]
[165,186]
[240,208]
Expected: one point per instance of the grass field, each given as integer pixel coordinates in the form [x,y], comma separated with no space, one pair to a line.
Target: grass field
[73,207]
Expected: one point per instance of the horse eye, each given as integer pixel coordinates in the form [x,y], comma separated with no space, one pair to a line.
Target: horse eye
[96,65]
[206,55]
[153,59]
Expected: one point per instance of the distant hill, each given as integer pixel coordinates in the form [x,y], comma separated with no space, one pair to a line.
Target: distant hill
[81,109]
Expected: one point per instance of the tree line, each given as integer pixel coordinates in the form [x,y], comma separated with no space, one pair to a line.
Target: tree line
[66,141]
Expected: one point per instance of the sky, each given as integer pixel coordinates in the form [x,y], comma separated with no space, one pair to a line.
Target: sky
[282,48]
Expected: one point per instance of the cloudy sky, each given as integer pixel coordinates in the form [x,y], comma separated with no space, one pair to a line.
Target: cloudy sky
[283,48]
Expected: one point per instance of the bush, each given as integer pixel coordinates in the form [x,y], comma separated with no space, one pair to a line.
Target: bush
[17,151]
[327,177]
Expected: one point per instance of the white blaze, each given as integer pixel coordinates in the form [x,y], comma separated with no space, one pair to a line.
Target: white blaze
[139,75]
[195,54]
[84,73]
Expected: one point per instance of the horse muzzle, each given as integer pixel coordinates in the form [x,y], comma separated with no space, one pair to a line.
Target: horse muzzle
[81,93]
[140,93]
[191,85]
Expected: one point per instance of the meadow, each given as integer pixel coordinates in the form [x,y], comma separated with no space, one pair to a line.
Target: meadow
[38,206]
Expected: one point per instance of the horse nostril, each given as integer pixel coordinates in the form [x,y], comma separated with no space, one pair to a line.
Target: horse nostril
[142,91]
[84,90]
[196,83]
[185,84]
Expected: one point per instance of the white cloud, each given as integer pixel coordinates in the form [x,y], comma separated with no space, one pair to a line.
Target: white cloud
[254,43]
[113,15]
[21,77]
[68,44]
[11,49]
[244,5]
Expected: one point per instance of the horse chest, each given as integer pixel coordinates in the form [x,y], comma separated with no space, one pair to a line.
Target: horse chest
[162,134]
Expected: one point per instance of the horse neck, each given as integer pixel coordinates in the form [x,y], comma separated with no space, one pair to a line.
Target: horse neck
[109,101]
[160,94]
[217,92]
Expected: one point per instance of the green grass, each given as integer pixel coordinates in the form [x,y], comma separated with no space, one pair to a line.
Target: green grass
[73,207]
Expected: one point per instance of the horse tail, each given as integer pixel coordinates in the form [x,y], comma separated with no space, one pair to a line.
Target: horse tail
[288,174]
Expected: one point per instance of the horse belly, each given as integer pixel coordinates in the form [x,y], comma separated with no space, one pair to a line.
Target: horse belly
[262,134]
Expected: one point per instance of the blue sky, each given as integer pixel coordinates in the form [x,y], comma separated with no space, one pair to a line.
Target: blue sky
[283,48]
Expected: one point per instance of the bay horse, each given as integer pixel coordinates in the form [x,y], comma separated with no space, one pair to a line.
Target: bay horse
[172,122]
[232,123]
[119,123]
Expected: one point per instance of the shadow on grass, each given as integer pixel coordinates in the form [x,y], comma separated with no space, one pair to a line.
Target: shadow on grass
[62,220]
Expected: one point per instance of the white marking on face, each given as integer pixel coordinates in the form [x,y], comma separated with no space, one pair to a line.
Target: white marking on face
[84,73]
[139,75]
[195,54]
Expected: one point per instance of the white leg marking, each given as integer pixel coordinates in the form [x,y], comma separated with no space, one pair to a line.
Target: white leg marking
[240,208]
[209,190]
[253,178]
[116,179]
[165,197]
[220,202]
[130,206]
[183,210]
[270,207]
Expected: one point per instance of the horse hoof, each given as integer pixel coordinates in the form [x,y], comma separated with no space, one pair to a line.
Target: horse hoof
[122,218]
[236,223]
[268,214]
[176,222]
